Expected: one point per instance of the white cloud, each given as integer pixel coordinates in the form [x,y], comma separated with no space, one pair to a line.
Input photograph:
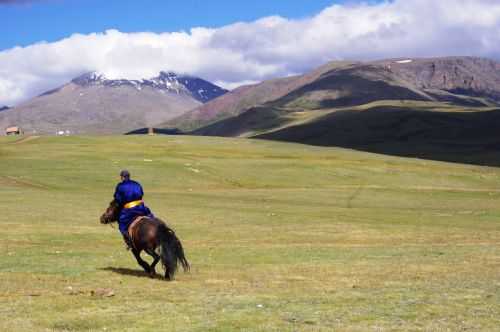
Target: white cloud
[269,47]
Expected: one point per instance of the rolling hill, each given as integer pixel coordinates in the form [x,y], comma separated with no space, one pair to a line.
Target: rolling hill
[94,104]
[243,98]
[443,108]
[463,81]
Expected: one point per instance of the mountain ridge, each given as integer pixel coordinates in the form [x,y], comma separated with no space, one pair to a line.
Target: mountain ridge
[94,104]
[245,97]
[436,108]
[200,89]
[468,81]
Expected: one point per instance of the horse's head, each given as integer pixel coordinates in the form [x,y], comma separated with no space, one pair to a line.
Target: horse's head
[111,214]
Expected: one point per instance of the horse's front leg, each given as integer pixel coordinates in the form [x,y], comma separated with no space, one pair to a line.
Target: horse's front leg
[137,255]
[156,258]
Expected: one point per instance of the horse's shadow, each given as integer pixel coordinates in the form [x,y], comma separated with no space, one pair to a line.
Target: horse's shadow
[130,272]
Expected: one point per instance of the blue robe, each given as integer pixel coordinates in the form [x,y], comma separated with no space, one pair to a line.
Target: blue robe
[126,192]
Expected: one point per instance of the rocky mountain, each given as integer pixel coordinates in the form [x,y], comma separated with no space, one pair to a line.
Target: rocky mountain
[470,76]
[4,108]
[199,89]
[459,80]
[441,108]
[94,104]
[240,99]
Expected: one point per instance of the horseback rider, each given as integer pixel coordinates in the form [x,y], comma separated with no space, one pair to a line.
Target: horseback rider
[128,195]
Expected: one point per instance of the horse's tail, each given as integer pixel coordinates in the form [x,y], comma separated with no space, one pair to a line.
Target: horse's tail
[171,251]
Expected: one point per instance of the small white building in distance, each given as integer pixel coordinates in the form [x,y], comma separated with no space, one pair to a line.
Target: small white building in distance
[13,131]
[63,133]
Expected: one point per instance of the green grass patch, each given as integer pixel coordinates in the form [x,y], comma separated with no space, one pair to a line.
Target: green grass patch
[281,237]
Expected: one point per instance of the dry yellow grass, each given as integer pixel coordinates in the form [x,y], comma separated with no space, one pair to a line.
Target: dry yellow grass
[282,237]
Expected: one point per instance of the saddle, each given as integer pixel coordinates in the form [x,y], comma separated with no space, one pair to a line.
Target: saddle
[133,229]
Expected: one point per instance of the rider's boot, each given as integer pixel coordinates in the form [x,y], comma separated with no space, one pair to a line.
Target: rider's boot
[128,241]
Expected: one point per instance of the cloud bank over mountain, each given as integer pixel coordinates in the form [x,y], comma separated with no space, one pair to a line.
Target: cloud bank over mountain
[252,51]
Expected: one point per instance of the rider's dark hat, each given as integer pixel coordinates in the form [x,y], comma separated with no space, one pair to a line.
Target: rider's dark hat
[125,174]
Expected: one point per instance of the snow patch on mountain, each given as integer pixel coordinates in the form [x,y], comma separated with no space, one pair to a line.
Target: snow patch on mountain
[167,82]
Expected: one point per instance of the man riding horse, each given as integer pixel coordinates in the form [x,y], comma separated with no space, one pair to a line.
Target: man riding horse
[142,231]
[128,195]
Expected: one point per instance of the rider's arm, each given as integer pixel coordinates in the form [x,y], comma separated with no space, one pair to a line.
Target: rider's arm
[141,191]
[118,196]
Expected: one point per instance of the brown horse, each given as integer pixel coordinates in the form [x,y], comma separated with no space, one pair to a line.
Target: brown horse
[151,234]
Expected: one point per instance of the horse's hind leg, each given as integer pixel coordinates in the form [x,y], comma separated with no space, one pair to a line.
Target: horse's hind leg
[145,266]
[156,258]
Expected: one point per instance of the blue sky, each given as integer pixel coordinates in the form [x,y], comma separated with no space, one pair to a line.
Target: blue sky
[24,23]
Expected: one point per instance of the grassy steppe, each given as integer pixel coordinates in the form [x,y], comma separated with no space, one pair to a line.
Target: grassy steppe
[281,237]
